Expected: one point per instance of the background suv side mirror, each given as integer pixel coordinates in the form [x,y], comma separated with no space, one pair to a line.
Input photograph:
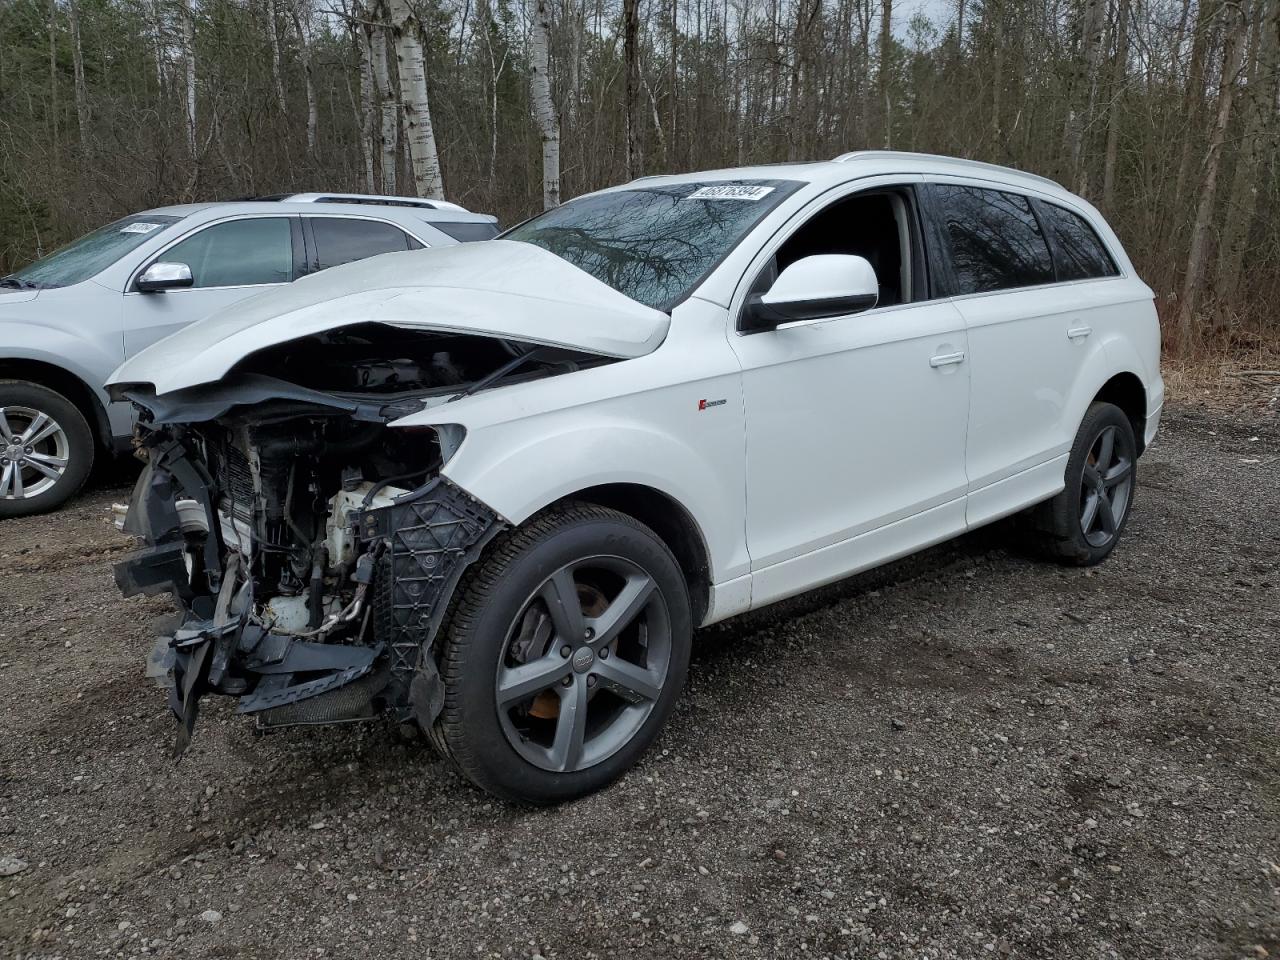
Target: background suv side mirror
[165,276]
[814,288]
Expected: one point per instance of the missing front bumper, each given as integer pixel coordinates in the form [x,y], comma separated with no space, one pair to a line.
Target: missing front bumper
[416,549]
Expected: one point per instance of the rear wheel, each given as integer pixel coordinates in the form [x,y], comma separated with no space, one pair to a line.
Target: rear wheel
[565,655]
[1082,524]
[46,449]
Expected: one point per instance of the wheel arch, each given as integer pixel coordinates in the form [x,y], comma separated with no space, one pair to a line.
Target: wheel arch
[1126,391]
[62,381]
[673,524]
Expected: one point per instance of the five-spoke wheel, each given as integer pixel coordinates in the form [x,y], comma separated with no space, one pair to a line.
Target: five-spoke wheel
[585,663]
[1082,524]
[1105,483]
[564,656]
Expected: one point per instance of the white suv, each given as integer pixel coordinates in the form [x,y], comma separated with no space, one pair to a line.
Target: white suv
[492,489]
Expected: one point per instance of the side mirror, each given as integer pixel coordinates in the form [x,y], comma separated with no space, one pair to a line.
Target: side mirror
[814,288]
[165,276]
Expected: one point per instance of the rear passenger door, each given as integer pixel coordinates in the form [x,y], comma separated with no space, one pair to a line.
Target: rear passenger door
[1028,341]
[334,240]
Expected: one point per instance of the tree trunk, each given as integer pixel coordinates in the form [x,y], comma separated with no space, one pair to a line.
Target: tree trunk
[886,49]
[189,61]
[360,34]
[273,40]
[390,109]
[1258,106]
[1119,77]
[304,52]
[1232,54]
[1193,94]
[53,73]
[631,54]
[544,107]
[1084,89]
[412,67]
[77,65]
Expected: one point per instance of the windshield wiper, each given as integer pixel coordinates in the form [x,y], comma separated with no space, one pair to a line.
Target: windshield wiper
[16,282]
[491,378]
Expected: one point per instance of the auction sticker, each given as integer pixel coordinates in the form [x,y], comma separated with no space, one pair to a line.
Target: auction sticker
[139,227]
[730,191]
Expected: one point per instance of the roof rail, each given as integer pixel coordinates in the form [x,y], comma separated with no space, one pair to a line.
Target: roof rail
[369,198]
[935,158]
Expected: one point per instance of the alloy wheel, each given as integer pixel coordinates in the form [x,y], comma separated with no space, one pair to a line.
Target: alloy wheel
[584,664]
[1105,486]
[34,452]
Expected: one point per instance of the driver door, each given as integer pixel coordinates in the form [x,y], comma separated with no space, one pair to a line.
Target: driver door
[855,424]
[229,260]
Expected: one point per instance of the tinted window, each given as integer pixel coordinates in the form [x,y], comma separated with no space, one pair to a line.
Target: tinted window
[237,253]
[340,240]
[1077,251]
[92,253]
[654,244]
[467,232]
[996,243]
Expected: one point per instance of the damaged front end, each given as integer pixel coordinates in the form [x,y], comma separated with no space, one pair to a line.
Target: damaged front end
[311,548]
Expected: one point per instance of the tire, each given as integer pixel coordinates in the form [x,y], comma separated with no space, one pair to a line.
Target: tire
[44,474]
[1082,524]
[622,681]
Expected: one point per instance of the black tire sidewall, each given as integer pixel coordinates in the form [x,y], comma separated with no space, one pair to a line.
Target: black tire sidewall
[1067,512]
[487,756]
[79,441]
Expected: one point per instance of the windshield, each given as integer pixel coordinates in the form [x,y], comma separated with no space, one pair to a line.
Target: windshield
[654,243]
[89,255]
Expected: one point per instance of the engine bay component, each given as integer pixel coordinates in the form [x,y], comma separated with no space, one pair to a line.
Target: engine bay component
[311,549]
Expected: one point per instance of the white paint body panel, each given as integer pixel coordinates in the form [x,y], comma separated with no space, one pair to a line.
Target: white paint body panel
[499,288]
[839,445]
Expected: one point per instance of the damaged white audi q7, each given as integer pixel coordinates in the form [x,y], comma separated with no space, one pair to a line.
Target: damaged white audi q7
[491,490]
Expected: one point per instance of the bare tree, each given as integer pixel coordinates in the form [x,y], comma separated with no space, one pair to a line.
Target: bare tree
[390,108]
[544,108]
[631,55]
[77,66]
[304,45]
[1234,24]
[273,41]
[411,63]
[189,65]
[1259,109]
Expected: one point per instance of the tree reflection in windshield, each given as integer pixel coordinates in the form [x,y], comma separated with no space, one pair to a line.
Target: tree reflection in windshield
[654,243]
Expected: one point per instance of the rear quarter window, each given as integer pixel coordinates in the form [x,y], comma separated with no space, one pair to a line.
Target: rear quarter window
[995,240]
[1078,253]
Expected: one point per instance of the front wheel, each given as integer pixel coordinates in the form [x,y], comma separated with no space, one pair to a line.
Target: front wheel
[46,449]
[565,655]
[1082,524]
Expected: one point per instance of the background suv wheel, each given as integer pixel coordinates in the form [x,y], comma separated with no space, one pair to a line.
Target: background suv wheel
[46,449]
[1083,523]
[564,656]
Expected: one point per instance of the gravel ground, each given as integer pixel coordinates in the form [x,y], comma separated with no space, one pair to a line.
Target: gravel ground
[963,755]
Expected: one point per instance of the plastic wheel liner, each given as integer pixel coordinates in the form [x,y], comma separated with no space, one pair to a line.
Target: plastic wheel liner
[410,556]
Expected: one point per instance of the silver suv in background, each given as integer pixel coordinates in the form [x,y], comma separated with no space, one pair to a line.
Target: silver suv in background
[68,320]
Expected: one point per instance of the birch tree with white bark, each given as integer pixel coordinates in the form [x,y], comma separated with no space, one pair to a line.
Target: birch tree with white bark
[544,107]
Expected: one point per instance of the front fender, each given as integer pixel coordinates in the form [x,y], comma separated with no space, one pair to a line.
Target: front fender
[520,467]
[83,358]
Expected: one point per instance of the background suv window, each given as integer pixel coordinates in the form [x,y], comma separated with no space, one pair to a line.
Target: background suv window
[237,253]
[342,239]
[1077,251]
[996,243]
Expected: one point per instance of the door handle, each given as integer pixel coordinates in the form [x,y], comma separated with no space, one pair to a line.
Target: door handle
[945,359]
[1079,333]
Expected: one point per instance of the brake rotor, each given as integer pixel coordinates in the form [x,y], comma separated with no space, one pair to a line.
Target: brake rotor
[546,705]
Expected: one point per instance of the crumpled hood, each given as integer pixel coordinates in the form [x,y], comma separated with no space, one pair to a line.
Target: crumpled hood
[498,288]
